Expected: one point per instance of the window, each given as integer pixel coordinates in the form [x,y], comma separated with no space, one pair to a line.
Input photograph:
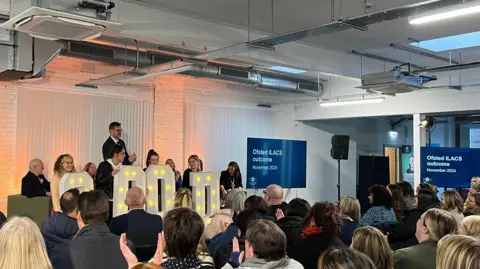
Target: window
[450,42]
[475,138]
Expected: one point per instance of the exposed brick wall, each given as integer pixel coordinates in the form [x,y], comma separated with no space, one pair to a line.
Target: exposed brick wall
[8,121]
[169,118]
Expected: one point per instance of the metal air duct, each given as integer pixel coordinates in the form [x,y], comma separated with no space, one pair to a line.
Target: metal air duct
[256,79]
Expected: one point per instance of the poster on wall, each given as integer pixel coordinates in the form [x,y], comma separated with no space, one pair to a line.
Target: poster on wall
[407,164]
[275,161]
[449,167]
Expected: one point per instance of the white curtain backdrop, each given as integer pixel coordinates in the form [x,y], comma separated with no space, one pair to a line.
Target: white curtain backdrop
[51,123]
[219,134]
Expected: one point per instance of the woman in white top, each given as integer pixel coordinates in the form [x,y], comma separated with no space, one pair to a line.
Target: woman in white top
[63,165]
[453,203]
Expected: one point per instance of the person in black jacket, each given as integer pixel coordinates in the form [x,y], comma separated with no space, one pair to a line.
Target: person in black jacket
[292,223]
[194,165]
[323,226]
[350,214]
[108,169]
[273,195]
[115,129]
[34,184]
[402,235]
[93,247]
[230,178]
[60,227]
[140,227]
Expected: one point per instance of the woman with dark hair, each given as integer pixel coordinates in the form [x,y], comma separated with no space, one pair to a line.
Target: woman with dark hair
[399,204]
[408,194]
[230,178]
[292,223]
[258,204]
[381,211]
[473,205]
[402,235]
[322,227]
[194,165]
[108,169]
[152,159]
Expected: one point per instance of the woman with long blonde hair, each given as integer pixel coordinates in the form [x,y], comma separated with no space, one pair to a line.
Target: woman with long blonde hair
[470,226]
[63,165]
[183,198]
[22,245]
[373,243]
[194,165]
[458,252]
[453,203]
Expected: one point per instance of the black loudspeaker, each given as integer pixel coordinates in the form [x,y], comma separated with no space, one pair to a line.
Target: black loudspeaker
[339,149]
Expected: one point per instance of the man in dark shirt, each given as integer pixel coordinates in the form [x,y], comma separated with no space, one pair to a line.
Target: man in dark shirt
[141,228]
[115,129]
[34,184]
[273,195]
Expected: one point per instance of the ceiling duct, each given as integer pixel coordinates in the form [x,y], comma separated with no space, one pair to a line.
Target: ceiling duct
[256,79]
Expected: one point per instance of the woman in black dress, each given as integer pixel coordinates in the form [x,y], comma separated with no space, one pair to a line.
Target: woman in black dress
[230,178]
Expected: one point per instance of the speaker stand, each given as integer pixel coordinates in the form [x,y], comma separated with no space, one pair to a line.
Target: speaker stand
[338,184]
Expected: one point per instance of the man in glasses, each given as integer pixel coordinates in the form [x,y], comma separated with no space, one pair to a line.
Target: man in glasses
[273,195]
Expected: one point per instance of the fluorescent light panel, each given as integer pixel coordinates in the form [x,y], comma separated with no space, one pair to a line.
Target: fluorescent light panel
[456,11]
[352,102]
[454,42]
[287,70]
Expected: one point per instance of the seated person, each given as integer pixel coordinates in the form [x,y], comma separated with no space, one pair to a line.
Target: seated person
[34,184]
[292,224]
[141,228]
[61,226]
[93,246]
[273,195]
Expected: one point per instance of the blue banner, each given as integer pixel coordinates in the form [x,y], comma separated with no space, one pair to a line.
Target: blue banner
[449,167]
[274,161]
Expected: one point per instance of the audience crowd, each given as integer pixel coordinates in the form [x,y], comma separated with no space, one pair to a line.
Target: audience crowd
[402,229]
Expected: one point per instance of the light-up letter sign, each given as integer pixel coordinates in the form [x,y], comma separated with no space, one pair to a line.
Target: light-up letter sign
[205,188]
[166,186]
[81,181]
[121,185]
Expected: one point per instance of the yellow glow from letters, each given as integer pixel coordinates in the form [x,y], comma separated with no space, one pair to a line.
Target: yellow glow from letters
[169,202]
[155,172]
[150,188]
[120,206]
[80,180]
[120,189]
[198,179]
[214,206]
[209,178]
[72,181]
[199,193]
[127,173]
[213,192]
[134,173]
[169,187]
[162,172]
[199,208]
[150,203]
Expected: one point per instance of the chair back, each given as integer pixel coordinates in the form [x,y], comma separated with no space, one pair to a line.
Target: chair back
[145,253]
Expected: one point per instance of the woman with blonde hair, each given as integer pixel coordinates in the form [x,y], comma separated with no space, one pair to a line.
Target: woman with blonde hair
[219,222]
[91,169]
[63,165]
[344,258]
[453,203]
[183,198]
[350,213]
[458,252]
[194,165]
[22,245]
[373,243]
[471,226]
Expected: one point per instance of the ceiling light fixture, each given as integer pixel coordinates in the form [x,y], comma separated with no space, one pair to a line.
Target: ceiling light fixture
[287,70]
[456,11]
[337,102]
[427,123]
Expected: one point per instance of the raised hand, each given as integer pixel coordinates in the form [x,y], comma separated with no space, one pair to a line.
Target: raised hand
[158,257]
[127,253]
[279,214]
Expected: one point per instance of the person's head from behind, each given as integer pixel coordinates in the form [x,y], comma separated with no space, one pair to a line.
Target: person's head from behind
[425,199]
[257,203]
[183,198]
[458,252]
[183,229]
[63,165]
[244,219]
[273,195]
[152,158]
[194,163]
[218,223]
[91,169]
[36,166]
[266,241]
[144,265]
[470,226]
[326,216]
[115,130]
[349,207]
[373,243]
[379,196]
[451,200]
[22,245]
[395,191]
[135,198]
[68,202]
[435,224]
[235,200]
[424,186]
[117,154]
[92,208]
[406,188]
[298,207]
[344,258]
[233,169]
